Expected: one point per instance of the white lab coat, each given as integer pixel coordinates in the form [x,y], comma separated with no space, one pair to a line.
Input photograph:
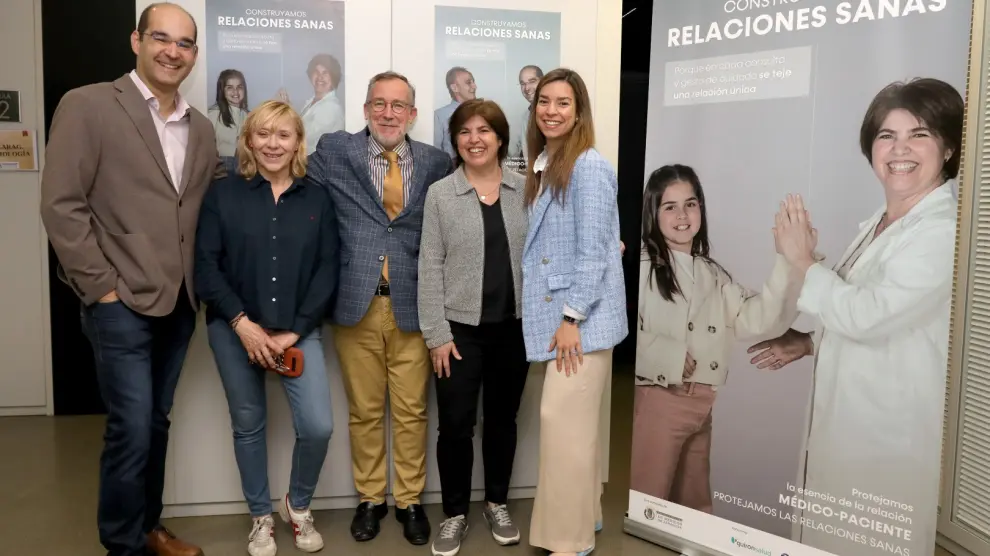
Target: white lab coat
[875,417]
[321,117]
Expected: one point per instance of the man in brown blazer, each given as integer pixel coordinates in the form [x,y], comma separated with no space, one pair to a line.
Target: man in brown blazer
[127,166]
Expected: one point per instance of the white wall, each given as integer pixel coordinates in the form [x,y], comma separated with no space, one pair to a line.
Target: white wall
[202,475]
[25,338]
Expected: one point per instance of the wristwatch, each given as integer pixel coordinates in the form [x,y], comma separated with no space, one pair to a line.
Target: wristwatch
[570,319]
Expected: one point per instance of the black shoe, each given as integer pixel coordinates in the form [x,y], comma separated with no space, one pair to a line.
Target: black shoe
[415,524]
[367,521]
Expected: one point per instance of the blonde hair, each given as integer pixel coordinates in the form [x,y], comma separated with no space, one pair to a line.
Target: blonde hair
[265,116]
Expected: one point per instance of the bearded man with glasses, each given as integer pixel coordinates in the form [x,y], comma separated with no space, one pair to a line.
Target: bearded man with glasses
[378,179]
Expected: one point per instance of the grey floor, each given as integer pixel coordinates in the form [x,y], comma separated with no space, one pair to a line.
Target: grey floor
[48,490]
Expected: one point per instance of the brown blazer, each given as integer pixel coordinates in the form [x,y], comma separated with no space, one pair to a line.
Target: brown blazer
[108,204]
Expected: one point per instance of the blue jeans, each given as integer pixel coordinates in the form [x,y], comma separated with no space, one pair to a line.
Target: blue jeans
[312,417]
[138,361]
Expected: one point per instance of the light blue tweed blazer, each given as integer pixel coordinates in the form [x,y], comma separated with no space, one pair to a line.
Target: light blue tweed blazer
[570,256]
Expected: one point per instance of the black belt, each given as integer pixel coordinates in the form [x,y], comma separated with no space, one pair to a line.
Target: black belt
[383,289]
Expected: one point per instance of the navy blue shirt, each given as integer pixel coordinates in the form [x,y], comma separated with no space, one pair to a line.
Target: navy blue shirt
[276,262]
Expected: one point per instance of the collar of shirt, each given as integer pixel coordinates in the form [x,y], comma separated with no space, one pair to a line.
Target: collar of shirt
[331,96]
[463,186]
[541,161]
[181,106]
[258,180]
[685,262]
[375,149]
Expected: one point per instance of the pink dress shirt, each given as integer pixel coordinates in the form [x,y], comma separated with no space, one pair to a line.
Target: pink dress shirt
[173,132]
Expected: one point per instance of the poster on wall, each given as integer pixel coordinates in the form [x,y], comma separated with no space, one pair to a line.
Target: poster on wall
[789,400]
[18,149]
[494,54]
[291,50]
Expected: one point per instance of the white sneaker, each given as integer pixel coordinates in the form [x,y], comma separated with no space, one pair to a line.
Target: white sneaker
[307,539]
[503,530]
[261,541]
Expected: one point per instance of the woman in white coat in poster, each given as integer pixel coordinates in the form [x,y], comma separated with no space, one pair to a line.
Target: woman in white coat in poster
[873,447]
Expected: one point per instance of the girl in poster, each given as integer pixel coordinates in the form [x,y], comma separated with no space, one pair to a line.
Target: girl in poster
[228,114]
[691,312]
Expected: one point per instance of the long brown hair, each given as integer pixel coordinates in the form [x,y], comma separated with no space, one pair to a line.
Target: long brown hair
[581,138]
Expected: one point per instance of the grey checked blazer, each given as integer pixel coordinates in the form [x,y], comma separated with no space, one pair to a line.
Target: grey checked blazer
[452,257]
[340,163]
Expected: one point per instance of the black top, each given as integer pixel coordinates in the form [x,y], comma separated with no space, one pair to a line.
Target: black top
[498,300]
[275,262]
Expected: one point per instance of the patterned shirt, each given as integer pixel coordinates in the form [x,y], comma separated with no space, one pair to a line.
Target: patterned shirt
[378,165]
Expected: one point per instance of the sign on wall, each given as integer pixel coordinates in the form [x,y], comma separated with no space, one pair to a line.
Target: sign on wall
[292,51]
[837,449]
[18,149]
[495,54]
[10,106]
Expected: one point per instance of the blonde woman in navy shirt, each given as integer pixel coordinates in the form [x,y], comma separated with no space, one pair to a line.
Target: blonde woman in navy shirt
[266,268]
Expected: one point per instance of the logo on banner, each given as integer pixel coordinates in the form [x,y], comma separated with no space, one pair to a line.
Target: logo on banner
[663,518]
[742,544]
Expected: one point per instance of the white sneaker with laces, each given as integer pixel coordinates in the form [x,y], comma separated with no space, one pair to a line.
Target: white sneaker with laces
[504,531]
[452,532]
[261,541]
[307,539]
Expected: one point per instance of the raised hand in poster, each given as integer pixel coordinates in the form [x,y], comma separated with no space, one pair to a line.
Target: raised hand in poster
[794,238]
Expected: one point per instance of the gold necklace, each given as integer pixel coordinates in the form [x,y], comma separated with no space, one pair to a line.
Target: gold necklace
[485,196]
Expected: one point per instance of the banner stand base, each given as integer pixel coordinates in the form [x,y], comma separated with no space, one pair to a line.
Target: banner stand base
[668,541]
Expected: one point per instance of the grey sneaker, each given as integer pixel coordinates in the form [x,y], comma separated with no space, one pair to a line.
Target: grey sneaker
[448,541]
[503,530]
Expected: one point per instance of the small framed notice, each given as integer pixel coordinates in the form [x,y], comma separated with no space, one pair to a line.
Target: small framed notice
[18,150]
[10,106]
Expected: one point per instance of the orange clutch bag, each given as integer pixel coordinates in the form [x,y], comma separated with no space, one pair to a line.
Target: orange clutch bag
[290,363]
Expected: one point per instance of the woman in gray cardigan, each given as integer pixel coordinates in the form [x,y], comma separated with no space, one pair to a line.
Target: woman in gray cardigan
[470,281]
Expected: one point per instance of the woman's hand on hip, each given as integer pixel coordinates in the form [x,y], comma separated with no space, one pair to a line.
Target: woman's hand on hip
[567,341]
[441,358]
[794,238]
[689,366]
[260,347]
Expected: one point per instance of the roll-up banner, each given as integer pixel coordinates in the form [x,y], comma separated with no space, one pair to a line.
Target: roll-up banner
[787,404]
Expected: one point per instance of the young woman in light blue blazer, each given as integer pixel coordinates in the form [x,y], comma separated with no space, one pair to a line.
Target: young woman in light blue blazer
[574,306]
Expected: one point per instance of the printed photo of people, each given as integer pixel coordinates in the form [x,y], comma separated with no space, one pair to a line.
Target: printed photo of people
[529,77]
[879,312]
[795,287]
[294,53]
[461,87]
[499,55]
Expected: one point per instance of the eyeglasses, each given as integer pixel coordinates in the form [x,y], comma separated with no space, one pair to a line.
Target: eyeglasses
[165,41]
[378,105]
